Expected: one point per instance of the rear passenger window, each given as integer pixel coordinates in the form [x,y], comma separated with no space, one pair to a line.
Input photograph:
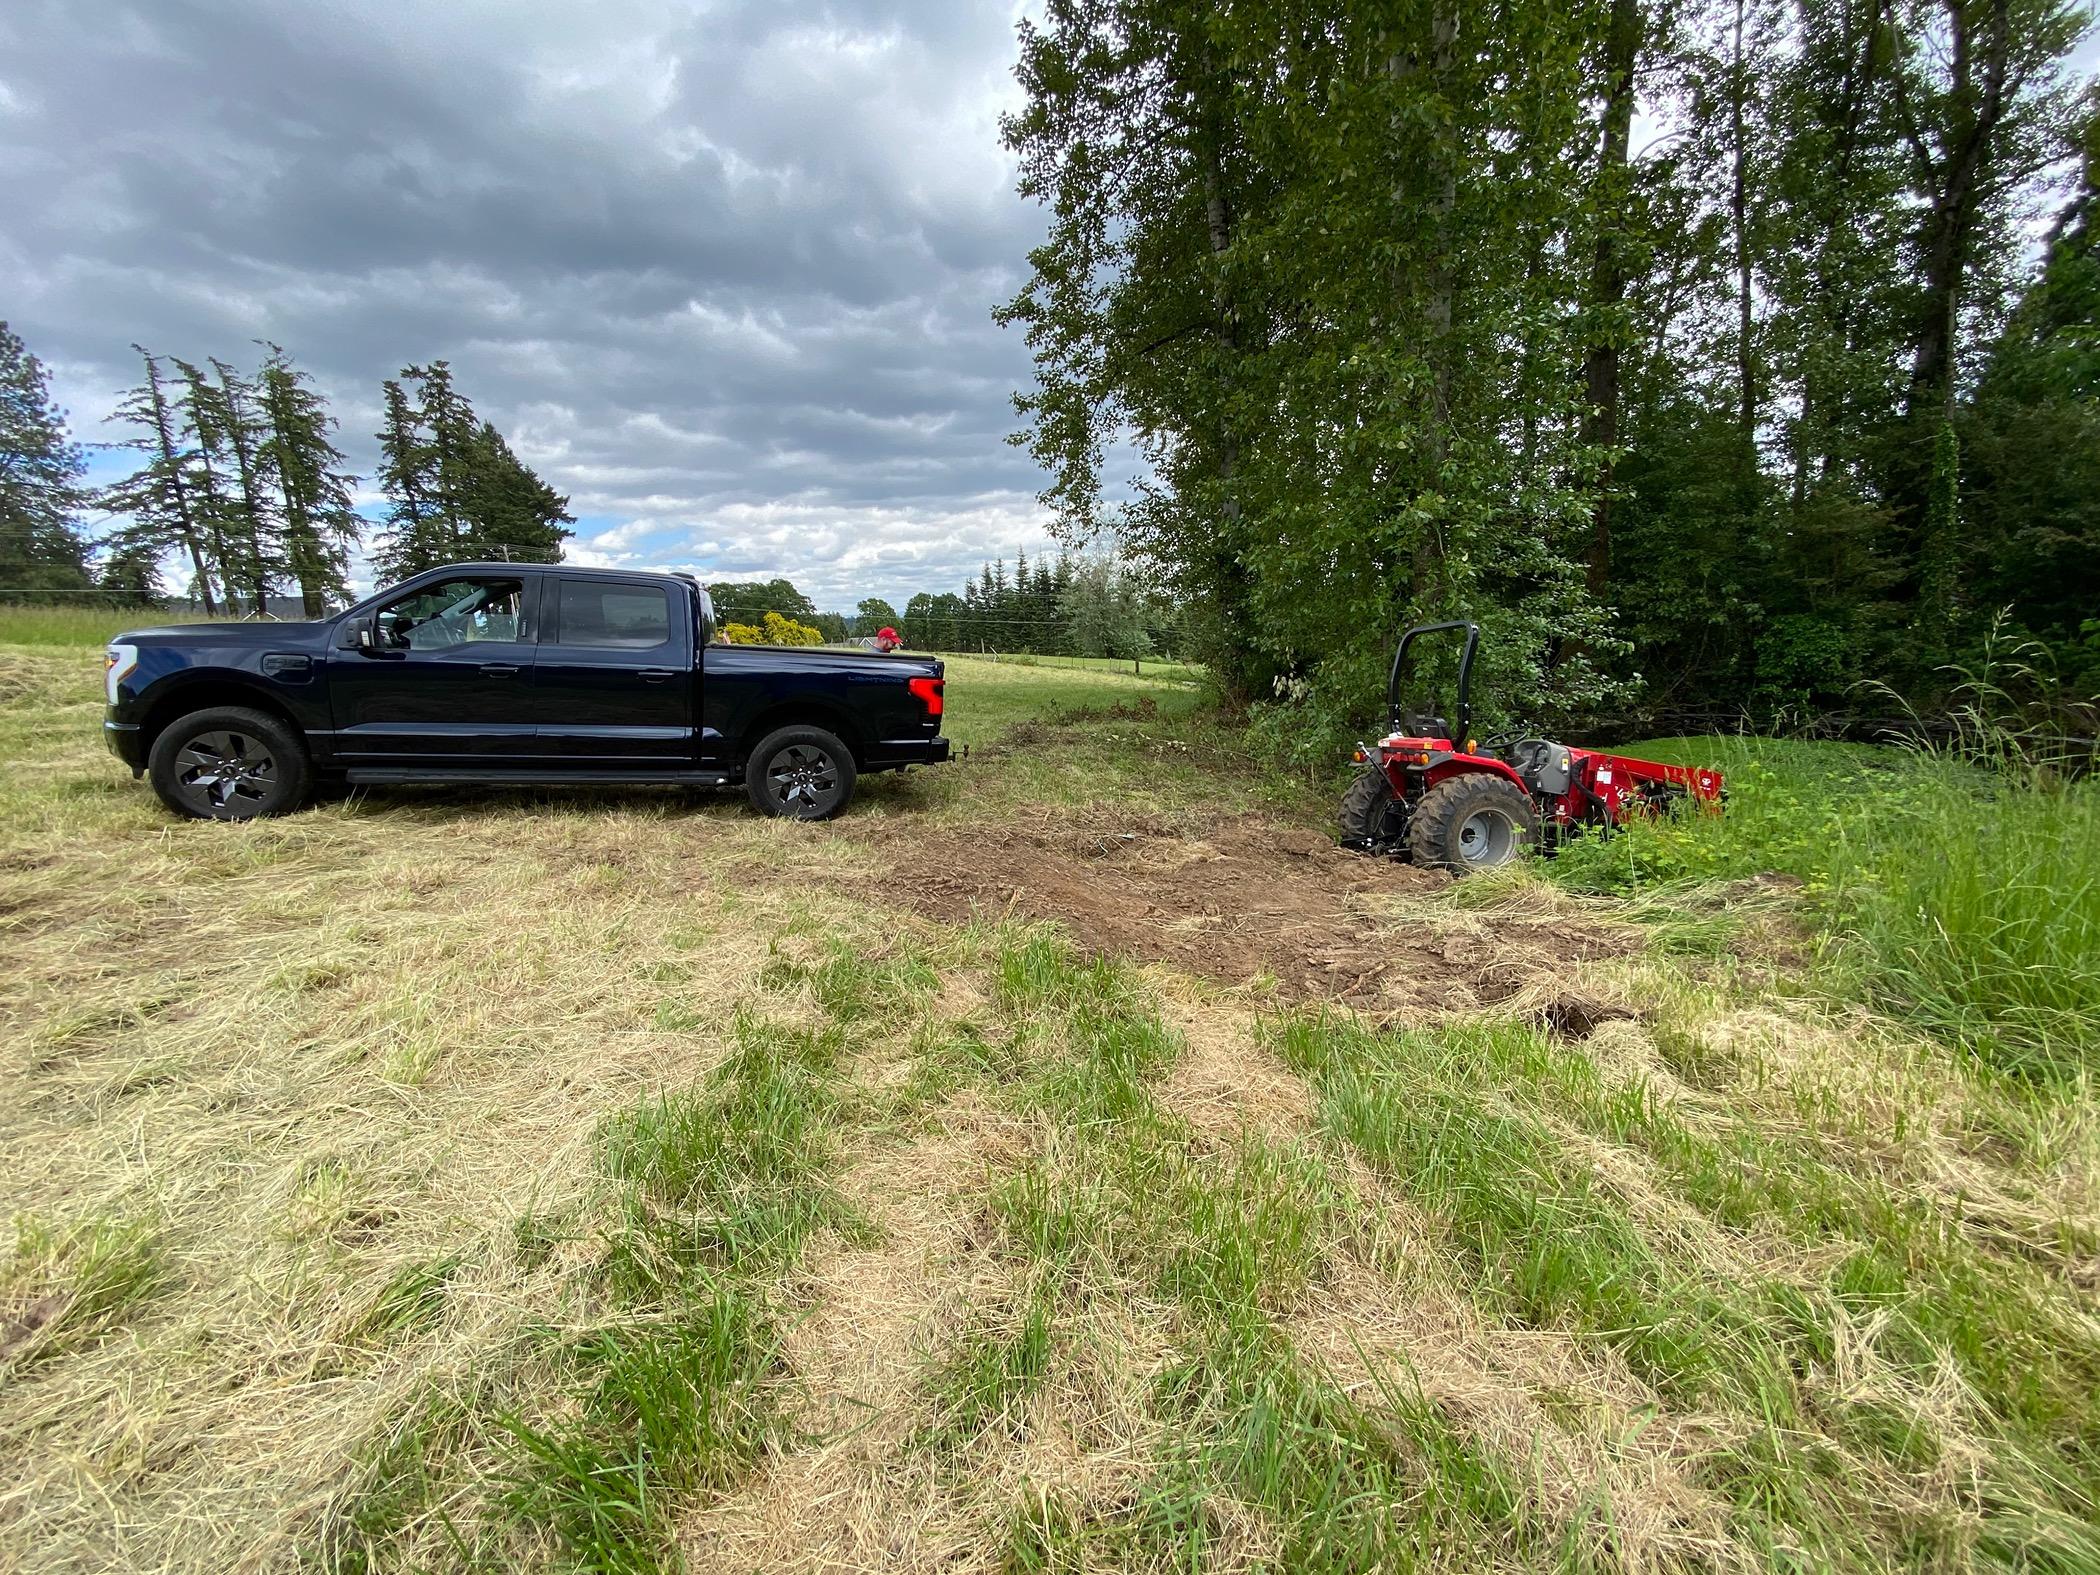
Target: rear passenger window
[615,617]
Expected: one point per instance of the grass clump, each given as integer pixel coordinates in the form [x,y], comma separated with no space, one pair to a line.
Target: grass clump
[65,1286]
[990,1369]
[673,1409]
[734,1174]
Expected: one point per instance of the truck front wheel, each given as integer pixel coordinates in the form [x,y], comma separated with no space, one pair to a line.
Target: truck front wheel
[229,763]
[803,773]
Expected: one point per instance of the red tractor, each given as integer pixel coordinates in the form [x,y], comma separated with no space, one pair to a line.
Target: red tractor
[1431,793]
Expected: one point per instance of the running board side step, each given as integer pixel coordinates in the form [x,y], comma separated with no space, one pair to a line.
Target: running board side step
[440,776]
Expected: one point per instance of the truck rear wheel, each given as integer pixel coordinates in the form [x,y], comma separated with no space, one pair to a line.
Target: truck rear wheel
[802,773]
[229,763]
[1471,823]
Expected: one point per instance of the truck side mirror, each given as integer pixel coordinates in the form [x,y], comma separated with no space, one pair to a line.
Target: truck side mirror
[365,642]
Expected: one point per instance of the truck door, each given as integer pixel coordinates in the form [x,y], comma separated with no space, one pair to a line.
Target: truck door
[446,680]
[614,684]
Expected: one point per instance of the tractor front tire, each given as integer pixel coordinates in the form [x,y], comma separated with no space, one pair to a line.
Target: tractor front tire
[1371,818]
[1471,823]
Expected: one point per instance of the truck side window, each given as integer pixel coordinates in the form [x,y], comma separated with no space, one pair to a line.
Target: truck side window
[601,615]
[455,612]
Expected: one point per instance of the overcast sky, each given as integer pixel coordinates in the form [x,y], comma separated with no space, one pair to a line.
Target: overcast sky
[723,272]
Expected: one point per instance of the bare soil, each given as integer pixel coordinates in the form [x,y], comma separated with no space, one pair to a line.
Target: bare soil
[1245,902]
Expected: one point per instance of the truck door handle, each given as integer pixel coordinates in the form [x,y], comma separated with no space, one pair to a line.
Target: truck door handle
[499,670]
[656,675]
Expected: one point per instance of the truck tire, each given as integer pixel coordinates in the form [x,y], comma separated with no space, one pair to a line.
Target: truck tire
[229,763]
[802,773]
[1470,823]
[1371,818]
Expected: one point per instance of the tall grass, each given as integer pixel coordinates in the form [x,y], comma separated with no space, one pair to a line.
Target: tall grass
[41,624]
[1956,885]
[1979,918]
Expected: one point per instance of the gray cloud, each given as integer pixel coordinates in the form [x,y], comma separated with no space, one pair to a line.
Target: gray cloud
[723,271]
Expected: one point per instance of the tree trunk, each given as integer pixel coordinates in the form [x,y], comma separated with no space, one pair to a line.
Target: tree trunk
[1739,213]
[1600,371]
[178,492]
[1954,186]
[240,436]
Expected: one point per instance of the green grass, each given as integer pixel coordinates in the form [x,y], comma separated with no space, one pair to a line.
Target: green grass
[42,624]
[1966,901]
[1469,1121]
[65,1286]
[673,1410]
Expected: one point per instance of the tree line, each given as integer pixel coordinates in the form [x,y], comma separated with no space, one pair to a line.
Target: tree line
[240,483]
[1719,352]
[1069,606]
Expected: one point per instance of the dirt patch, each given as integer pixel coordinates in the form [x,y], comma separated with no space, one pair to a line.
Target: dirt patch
[1247,900]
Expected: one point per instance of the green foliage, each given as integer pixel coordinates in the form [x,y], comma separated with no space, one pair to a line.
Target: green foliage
[749,603]
[455,490]
[1335,298]
[41,470]
[772,630]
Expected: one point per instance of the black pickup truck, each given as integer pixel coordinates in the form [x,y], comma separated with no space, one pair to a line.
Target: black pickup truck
[510,673]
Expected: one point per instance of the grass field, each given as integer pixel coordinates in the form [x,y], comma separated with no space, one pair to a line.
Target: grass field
[499,1181]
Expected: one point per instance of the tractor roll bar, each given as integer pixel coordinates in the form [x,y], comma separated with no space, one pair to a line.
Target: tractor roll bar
[1465,673]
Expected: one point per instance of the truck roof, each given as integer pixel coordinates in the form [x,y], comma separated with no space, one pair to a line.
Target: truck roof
[500,567]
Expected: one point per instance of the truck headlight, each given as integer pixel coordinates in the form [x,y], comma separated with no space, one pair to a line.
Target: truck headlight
[121,660]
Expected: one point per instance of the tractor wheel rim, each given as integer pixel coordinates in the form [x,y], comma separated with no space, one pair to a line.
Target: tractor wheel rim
[218,771]
[1486,837]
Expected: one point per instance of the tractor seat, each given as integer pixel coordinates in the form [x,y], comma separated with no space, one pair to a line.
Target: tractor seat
[1421,724]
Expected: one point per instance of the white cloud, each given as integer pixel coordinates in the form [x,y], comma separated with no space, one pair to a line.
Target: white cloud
[724,272]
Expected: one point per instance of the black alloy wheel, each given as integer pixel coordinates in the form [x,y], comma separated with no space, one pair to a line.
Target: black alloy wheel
[229,763]
[800,773]
[214,770]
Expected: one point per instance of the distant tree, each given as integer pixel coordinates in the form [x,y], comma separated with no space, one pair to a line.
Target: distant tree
[456,488]
[833,626]
[511,513]
[873,614]
[222,428]
[41,471]
[160,497]
[418,534]
[319,525]
[130,572]
[749,602]
[1104,610]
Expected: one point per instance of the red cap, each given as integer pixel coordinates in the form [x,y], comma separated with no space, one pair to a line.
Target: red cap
[890,635]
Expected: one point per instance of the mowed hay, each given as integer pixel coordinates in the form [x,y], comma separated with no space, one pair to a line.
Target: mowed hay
[316,1061]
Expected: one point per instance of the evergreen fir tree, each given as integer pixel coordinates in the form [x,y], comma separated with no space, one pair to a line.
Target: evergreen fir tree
[158,496]
[417,536]
[40,479]
[260,529]
[318,524]
[512,514]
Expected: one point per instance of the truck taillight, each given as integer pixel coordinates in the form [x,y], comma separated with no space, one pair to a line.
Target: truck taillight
[929,690]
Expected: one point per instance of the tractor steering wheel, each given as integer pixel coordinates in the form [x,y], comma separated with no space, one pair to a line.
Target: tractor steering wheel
[1502,740]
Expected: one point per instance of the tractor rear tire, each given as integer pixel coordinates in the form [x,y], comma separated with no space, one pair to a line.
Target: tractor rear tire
[1471,823]
[1370,817]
